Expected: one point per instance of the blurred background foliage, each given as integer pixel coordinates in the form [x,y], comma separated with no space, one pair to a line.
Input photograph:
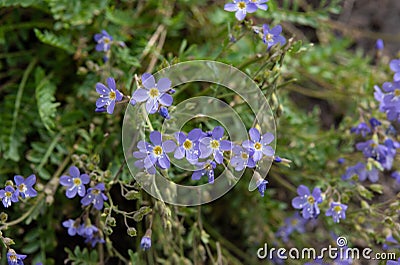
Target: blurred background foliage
[318,85]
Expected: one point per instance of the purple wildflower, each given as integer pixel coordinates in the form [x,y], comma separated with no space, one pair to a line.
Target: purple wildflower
[75,183]
[242,158]
[374,123]
[259,144]
[214,145]
[262,186]
[8,195]
[273,36]
[145,243]
[241,7]
[361,171]
[15,259]
[373,149]
[154,154]
[103,40]
[396,175]
[292,224]
[96,196]
[188,146]
[205,168]
[108,96]
[307,201]
[260,4]
[25,186]
[379,45]
[393,262]
[72,225]
[337,210]
[154,94]
[362,128]
[395,67]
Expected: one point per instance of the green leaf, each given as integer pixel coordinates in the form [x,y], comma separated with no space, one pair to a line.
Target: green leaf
[23,3]
[76,12]
[45,99]
[52,39]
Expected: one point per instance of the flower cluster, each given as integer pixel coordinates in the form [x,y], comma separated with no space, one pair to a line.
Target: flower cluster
[205,150]
[75,184]
[90,232]
[308,203]
[379,155]
[23,188]
[389,98]
[103,43]
[270,36]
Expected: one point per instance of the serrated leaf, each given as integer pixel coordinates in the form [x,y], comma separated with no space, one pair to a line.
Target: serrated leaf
[76,12]
[45,99]
[52,39]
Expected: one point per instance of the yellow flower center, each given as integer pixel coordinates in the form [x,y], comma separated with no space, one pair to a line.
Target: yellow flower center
[154,92]
[241,5]
[374,145]
[95,192]
[187,144]
[112,95]
[310,199]
[269,37]
[214,144]
[397,92]
[13,258]
[257,146]
[245,156]
[294,222]
[208,166]
[106,40]
[22,187]
[337,208]
[77,181]
[157,150]
[8,194]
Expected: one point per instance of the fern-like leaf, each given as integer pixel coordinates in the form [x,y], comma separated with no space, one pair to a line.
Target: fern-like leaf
[45,99]
[52,39]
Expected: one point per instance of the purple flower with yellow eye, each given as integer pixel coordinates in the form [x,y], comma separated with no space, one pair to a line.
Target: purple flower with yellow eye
[215,145]
[15,259]
[259,144]
[241,7]
[153,154]
[337,210]
[273,36]
[188,145]
[154,94]
[108,96]
[75,183]
[205,168]
[8,195]
[104,41]
[96,196]
[307,202]
[25,186]
[242,158]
